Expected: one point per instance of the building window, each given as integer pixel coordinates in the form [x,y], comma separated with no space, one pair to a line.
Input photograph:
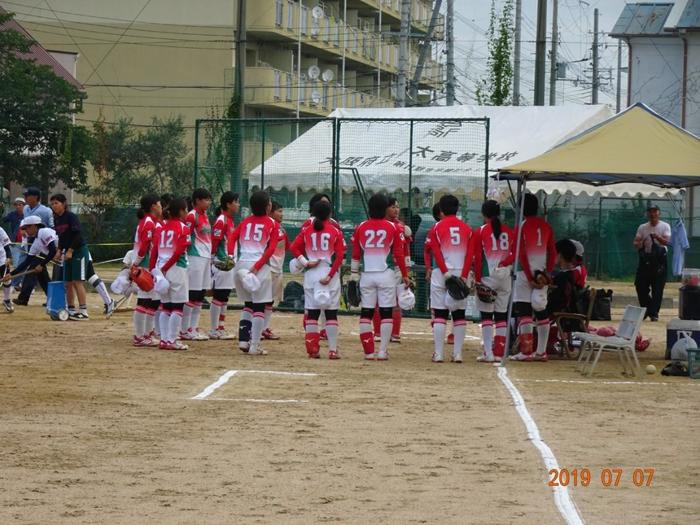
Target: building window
[278,13]
[326,89]
[326,29]
[289,87]
[302,90]
[290,16]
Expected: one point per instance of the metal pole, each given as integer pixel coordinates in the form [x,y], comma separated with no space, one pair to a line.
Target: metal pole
[486,162]
[262,156]
[345,42]
[379,57]
[596,80]
[600,237]
[618,94]
[516,52]
[450,66]
[196,153]
[553,58]
[403,53]
[540,51]
[335,175]
[519,215]
[240,59]
[410,170]
[298,66]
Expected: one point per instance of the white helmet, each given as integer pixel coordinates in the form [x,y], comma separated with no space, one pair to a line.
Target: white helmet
[679,350]
[407,300]
[322,296]
[249,280]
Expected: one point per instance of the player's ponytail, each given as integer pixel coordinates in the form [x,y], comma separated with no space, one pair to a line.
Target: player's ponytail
[321,212]
[492,210]
[146,203]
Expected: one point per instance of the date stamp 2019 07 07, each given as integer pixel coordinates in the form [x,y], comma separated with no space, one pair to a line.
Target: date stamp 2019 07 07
[607,477]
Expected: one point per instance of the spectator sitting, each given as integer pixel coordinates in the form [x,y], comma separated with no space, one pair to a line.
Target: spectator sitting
[580,270]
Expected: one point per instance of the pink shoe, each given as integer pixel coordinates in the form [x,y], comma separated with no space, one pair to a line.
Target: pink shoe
[141,342]
[540,357]
[269,334]
[521,357]
[333,354]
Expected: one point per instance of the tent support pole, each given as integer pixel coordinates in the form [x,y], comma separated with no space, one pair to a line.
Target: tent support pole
[513,273]
[410,171]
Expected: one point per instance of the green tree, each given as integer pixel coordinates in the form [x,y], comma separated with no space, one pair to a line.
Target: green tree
[495,88]
[39,144]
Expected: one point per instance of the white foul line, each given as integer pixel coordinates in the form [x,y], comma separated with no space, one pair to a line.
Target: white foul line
[218,383]
[562,498]
[230,373]
[251,400]
[584,382]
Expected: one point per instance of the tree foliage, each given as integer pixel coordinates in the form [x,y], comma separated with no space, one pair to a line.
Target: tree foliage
[39,144]
[495,88]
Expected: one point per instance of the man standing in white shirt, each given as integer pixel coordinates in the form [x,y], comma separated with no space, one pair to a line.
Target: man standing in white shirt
[652,240]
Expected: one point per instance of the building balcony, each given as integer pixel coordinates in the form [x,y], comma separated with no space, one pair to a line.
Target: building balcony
[329,39]
[271,88]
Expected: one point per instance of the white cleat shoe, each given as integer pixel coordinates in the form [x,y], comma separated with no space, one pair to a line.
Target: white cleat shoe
[257,351]
[199,336]
[187,336]
[243,346]
[521,357]
[382,356]
[438,358]
[456,358]
[370,357]
[483,358]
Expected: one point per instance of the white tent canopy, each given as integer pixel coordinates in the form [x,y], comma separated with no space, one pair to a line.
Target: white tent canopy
[380,150]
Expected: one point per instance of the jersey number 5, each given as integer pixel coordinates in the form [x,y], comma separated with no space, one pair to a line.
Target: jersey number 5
[372,235]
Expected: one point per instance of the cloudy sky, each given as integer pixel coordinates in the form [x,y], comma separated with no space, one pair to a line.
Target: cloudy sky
[575,33]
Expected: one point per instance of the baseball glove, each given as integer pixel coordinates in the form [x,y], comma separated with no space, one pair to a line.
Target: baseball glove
[226,264]
[542,279]
[456,287]
[352,291]
[486,294]
[142,278]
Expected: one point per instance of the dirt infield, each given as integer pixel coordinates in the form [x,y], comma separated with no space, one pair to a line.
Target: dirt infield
[94,430]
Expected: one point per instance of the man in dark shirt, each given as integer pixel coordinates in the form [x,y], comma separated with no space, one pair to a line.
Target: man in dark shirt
[75,256]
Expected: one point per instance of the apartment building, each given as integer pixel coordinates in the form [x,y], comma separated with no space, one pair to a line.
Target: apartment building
[160,58]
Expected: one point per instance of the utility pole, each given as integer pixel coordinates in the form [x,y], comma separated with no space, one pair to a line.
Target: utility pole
[450,68]
[618,94]
[553,58]
[540,52]
[239,82]
[596,81]
[425,48]
[516,52]
[403,53]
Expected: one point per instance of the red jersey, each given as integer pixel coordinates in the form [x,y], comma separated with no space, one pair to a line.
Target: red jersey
[428,249]
[172,243]
[222,237]
[257,239]
[450,242]
[580,276]
[321,246]
[277,259]
[146,235]
[373,241]
[537,250]
[496,251]
[401,227]
[200,234]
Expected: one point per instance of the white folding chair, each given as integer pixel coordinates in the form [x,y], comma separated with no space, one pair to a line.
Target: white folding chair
[623,343]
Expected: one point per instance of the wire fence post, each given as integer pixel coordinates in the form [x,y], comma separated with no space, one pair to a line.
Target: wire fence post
[410,170]
[335,172]
[196,152]
[262,156]
[600,238]
[486,158]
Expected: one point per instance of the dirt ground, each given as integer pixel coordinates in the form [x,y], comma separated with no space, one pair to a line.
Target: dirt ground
[95,431]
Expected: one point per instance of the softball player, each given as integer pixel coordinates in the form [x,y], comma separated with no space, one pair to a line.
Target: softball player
[222,246]
[147,303]
[537,256]
[6,268]
[493,244]
[43,248]
[450,244]
[276,268]
[320,249]
[257,238]
[199,264]
[169,256]
[373,241]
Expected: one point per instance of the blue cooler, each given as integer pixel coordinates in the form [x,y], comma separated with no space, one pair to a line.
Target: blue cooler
[678,328]
[56,301]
